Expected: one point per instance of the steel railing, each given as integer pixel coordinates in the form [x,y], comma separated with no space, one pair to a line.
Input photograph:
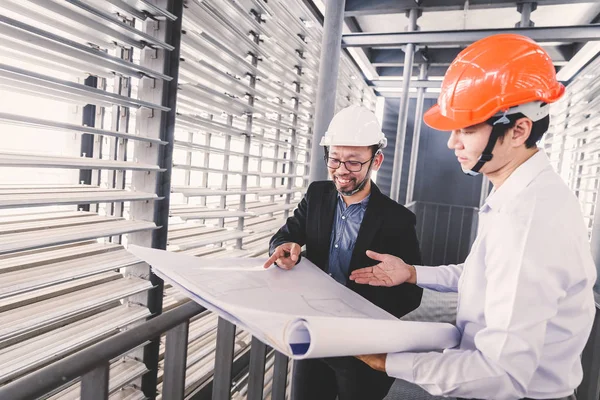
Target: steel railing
[91,365]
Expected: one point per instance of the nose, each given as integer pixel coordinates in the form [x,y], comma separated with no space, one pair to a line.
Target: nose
[453,142]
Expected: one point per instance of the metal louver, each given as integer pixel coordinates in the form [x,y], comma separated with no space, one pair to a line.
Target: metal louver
[78,161]
[83,107]
[572,140]
[248,77]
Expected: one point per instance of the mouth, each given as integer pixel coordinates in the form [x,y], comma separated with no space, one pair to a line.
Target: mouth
[343,181]
[462,159]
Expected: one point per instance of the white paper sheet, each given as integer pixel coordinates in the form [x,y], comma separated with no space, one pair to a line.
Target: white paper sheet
[303,313]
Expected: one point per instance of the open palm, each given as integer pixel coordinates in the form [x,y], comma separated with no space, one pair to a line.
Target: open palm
[391,271]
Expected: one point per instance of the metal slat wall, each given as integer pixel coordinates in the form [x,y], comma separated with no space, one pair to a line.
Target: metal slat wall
[248,77]
[241,148]
[80,117]
[83,107]
[572,140]
[246,100]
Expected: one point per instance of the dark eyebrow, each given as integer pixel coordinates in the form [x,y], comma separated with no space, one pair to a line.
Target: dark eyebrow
[351,155]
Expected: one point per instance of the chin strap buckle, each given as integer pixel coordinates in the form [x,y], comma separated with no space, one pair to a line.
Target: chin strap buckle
[485,157]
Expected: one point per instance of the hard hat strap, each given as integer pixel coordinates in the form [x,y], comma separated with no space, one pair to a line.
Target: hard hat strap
[498,129]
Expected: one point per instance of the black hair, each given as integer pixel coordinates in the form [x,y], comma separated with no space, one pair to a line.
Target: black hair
[538,128]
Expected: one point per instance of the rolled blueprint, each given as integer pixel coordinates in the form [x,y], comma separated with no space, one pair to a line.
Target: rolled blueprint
[303,312]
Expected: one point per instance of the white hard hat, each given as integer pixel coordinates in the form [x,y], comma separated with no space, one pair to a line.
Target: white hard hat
[354,126]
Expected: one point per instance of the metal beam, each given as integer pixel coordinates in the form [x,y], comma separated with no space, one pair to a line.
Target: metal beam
[397,83]
[395,57]
[373,7]
[560,54]
[354,27]
[399,71]
[412,95]
[438,71]
[565,34]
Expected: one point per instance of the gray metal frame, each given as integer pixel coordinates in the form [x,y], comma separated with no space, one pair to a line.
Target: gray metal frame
[92,361]
[327,89]
[577,33]
[409,54]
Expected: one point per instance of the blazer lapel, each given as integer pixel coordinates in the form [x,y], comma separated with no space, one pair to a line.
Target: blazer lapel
[325,217]
[371,223]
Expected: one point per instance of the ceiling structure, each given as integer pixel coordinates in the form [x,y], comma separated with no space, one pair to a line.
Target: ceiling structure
[377,32]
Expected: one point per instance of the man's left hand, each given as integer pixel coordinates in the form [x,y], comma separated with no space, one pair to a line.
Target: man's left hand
[375,361]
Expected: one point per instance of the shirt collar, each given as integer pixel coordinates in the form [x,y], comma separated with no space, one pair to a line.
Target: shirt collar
[363,203]
[517,181]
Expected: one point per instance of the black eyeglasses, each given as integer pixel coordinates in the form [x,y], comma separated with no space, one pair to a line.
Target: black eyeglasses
[352,166]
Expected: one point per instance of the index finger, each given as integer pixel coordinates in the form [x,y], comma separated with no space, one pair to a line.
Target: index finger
[271,259]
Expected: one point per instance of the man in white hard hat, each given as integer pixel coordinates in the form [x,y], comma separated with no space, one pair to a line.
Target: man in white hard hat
[338,221]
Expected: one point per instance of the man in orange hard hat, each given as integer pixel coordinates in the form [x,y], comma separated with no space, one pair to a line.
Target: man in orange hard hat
[338,221]
[526,303]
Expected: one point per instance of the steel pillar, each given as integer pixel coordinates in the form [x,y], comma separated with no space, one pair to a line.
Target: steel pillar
[409,55]
[525,9]
[158,125]
[328,75]
[87,140]
[414,152]
[176,348]
[223,360]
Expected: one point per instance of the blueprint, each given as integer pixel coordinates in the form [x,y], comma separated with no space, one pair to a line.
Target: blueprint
[303,312]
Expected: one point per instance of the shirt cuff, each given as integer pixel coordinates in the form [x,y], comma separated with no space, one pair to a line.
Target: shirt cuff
[426,275]
[400,365]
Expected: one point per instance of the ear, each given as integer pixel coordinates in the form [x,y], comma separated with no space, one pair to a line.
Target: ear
[521,131]
[377,161]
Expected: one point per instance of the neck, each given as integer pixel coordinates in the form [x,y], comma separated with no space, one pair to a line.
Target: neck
[359,196]
[498,177]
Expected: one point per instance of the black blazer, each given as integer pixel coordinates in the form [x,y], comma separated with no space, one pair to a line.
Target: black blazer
[387,227]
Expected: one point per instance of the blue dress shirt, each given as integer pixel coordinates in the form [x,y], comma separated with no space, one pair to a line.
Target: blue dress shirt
[343,237]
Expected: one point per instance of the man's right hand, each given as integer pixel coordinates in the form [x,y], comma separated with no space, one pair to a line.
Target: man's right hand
[286,256]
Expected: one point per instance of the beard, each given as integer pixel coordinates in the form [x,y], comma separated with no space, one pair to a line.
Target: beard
[348,188]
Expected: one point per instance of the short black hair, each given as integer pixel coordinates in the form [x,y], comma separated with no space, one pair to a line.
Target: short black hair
[538,128]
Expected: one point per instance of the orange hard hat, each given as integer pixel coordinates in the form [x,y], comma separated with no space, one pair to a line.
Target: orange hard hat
[492,75]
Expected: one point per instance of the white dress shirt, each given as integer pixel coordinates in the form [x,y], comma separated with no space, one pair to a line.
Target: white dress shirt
[526,304]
